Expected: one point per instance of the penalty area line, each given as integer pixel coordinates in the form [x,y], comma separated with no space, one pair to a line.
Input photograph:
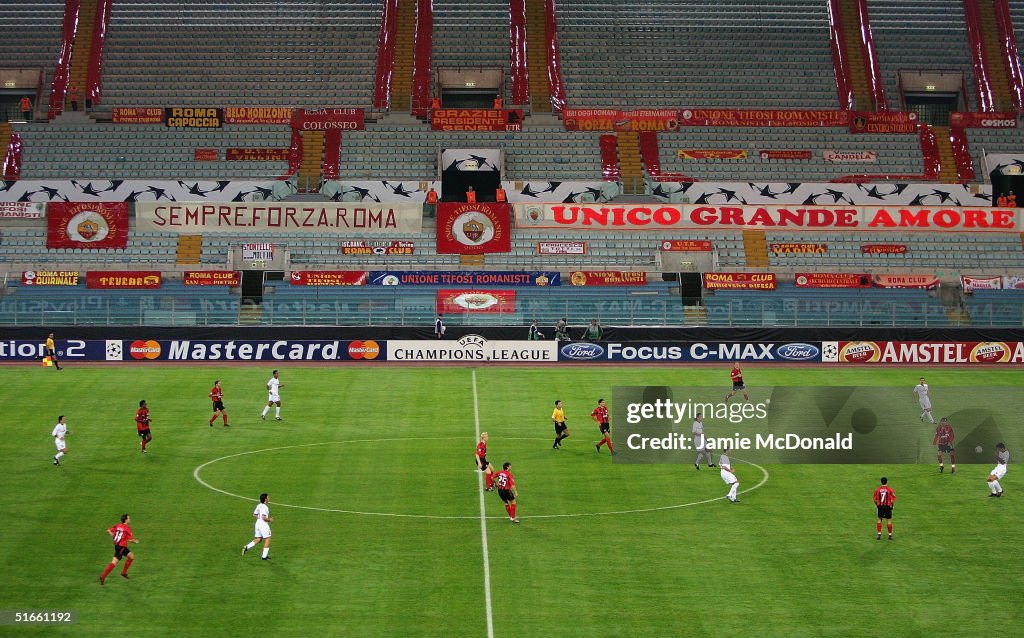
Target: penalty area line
[483,520]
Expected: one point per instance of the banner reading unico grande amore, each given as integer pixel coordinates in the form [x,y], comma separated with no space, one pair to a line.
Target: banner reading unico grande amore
[329,217]
[729,217]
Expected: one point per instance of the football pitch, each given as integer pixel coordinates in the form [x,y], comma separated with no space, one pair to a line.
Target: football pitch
[381,528]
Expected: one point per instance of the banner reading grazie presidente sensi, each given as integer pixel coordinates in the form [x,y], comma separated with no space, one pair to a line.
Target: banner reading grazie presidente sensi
[350,219]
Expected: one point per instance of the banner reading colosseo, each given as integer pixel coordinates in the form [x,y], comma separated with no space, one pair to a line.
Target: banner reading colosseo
[633,217]
[332,218]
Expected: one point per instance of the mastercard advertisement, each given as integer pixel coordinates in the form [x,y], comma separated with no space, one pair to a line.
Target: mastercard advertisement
[931,352]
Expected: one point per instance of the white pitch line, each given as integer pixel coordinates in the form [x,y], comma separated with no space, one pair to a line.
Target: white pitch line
[483,520]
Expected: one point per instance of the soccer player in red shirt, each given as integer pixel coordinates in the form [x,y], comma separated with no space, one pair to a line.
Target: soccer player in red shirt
[482,463]
[600,414]
[884,500]
[142,424]
[737,383]
[507,490]
[944,440]
[217,396]
[122,535]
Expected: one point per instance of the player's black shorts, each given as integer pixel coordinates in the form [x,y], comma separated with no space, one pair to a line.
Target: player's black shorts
[738,385]
[51,353]
[506,496]
[483,464]
[946,448]
[561,427]
[605,428]
[218,406]
[120,552]
[144,432]
[884,511]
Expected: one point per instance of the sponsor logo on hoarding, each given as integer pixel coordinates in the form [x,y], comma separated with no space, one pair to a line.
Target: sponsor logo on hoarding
[144,349]
[797,352]
[991,352]
[364,350]
[582,351]
[860,352]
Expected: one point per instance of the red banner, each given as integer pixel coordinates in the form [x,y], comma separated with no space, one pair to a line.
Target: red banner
[709,153]
[328,119]
[883,249]
[740,281]
[206,155]
[905,281]
[257,154]
[70,225]
[378,248]
[489,301]
[590,119]
[687,246]
[971,284]
[983,120]
[785,155]
[329,277]
[137,115]
[473,229]
[123,279]
[917,352]
[889,122]
[212,278]
[762,117]
[607,278]
[618,120]
[476,120]
[561,248]
[798,249]
[50,278]
[831,280]
[257,115]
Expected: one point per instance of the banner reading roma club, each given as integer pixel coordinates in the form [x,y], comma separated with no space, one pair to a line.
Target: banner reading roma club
[193,117]
[942,352]
[329,277]
[123,279]
[890,122]
[328,119]
[831,280]
[686,246]
[971,284]
[212,278]
[95,225]
[561,248]
[251,217]
[257,154]
[476,301]
[21,210]
[476,120]
[49,278]
[785,155]
[607,278]
[883,249]
[786,248]
[257,115]
[762,117]
[983,120]
[377,247]
[473,229]
[739,280]
[905,281]
[136,115]
[709,153]
[657,217]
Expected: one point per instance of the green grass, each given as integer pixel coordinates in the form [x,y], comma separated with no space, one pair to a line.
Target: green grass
[796,558]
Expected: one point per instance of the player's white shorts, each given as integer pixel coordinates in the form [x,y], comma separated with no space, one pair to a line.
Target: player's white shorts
[698,443]
[999,471]
[262,530]
[926,404]
[61,444]
[273,398]
[728,477]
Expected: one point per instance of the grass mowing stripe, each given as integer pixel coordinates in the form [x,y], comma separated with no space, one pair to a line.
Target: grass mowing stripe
[483,519]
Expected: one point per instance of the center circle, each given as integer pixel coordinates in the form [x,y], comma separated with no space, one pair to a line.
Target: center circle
[380,484]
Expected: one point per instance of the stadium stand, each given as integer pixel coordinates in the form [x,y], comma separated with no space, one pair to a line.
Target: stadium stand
[30,36]
[486,20]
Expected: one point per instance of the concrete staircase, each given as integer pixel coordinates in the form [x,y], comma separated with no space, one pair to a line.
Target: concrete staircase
[190,249]
[855,55]
[405,39]
[999,74]
[947,173]
[630,165]
[755,248]
[311,168]
[695,316]
[80,53]
[536,56]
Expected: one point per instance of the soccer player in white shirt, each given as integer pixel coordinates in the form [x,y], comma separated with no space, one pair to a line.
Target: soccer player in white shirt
[725,465]
[60,432]
[273,396]
[699,443]
[263,521]
[999,471]
[921,392]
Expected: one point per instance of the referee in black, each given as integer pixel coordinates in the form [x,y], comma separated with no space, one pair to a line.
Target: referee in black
[51,351]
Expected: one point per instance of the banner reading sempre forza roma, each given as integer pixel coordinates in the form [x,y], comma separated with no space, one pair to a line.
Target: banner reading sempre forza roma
[328,217]
[942,352]
[473,229]
[95,225]
[657,217]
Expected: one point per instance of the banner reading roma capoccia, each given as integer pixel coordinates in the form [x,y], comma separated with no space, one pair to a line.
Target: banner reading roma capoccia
[193,117]
[92,225]
[270,219]
[473,229]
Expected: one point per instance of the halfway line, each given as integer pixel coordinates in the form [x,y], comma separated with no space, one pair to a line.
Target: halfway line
[483,520]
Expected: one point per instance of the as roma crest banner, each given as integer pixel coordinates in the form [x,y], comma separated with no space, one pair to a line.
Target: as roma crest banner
[93,225]
[473,229]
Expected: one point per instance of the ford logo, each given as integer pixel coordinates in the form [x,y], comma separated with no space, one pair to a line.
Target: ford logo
[582,351]
[797,352]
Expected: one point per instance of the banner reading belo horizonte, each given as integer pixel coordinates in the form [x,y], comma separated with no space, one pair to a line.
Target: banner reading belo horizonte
[797,217]
[349,218]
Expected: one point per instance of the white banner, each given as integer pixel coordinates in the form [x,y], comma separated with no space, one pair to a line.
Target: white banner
[849,157]
[1013,282]
[473,348]
[471,159]
[656,217]
[970,284]
[22,210]
[319,218]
